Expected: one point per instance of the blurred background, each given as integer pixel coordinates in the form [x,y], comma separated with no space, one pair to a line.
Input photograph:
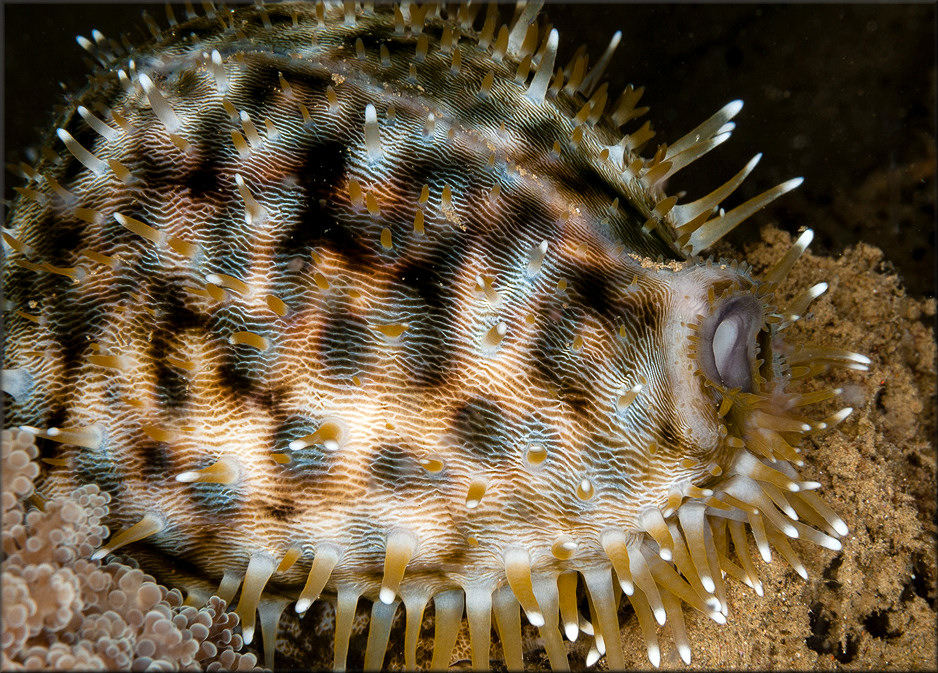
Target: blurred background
[843,95]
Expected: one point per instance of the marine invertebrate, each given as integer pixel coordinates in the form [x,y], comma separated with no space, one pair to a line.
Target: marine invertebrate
[64,611]
[367,301]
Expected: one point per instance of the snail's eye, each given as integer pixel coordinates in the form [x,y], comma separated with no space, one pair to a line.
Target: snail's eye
[728,342]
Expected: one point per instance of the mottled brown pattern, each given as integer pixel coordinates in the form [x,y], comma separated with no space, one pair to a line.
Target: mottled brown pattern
[278,286]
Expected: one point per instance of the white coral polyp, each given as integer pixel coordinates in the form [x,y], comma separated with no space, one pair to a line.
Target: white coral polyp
[55,592]
[18,610]
[62,611]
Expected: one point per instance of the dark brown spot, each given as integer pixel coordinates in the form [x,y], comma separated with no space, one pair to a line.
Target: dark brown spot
[641,317]
[593,290]
[260,84]
[60,240]
[557,365]
[267,401]
[235,377]
[320,176]
[281,510]
[322,168]
[172,386]
[343,345]
[157,460]
[539,134]
[427,286]
[204,178]
[550,350]
[574,394]
[668,430]
[184,84]
[169,299]
[78,321]
[173,318]
[479,426]
[395,469]
[523,221]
